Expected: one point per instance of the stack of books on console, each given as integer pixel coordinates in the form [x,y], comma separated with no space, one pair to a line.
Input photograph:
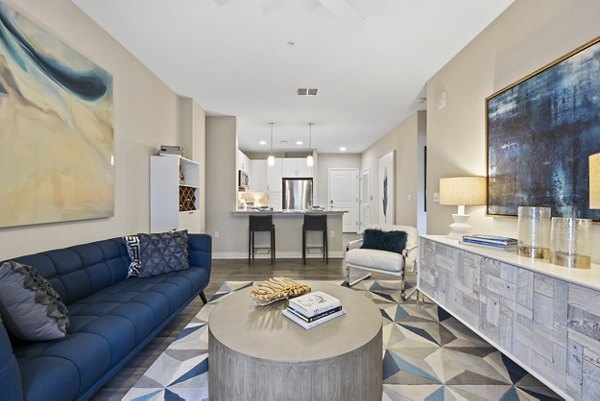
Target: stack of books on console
[312,309]
[491,241]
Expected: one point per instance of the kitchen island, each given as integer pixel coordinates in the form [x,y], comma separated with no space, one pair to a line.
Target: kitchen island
[288,232]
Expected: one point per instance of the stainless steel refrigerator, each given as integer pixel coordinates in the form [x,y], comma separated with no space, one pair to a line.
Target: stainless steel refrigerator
[297,193]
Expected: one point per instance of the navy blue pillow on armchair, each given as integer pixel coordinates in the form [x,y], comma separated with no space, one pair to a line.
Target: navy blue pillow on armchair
[391,241]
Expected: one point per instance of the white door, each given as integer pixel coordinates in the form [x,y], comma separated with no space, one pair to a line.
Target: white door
[343,195]
[364,201]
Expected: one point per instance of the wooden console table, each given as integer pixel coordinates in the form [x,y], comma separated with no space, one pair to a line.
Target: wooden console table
[544,317]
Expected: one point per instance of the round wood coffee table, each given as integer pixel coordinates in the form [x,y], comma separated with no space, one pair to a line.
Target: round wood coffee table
[255,353]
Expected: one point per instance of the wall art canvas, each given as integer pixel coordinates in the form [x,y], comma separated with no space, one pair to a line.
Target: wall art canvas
[540,132]
[56,128]
[386,189]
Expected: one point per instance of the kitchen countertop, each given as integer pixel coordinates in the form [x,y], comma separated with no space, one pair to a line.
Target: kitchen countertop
[290,212]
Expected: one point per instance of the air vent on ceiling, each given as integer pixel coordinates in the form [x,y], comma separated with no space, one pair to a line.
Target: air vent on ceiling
[307,91]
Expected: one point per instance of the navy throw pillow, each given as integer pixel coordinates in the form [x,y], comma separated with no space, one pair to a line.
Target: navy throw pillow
[163,252]
[391,241]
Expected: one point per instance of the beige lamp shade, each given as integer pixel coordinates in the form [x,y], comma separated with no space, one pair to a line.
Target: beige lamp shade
[462,191]
[595,181]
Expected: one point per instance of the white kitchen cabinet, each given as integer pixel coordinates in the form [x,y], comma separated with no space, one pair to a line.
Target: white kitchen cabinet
[258,175]
[274,176]
[295,167]
[242,161]
[275,200]
[287,167]
[174,194]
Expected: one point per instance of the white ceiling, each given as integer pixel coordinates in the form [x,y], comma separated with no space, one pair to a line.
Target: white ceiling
[370,59]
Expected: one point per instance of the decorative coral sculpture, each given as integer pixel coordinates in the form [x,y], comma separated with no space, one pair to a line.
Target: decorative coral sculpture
[276,289]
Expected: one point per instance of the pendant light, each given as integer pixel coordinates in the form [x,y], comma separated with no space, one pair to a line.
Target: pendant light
[309,158]
[271,158]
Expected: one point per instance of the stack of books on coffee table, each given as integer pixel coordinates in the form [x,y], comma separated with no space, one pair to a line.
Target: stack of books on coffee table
[491,241]
[313,309]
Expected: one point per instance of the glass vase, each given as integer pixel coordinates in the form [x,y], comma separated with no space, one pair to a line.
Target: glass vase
[534,231]
[570,242]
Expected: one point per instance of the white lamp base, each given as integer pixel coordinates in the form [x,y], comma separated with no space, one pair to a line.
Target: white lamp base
[460,226]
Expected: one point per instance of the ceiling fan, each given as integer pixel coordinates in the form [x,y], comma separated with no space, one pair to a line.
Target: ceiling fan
[341,9]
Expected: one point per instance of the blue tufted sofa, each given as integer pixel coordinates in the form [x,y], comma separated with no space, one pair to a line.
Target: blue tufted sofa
[111,318]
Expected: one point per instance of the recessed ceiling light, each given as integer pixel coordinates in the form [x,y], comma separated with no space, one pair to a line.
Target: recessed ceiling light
[283,142]
[342,149]
[263,142]
[299,143]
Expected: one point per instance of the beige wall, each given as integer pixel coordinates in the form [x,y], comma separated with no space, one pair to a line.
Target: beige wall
[199,135]
[421,143]
[404,140]
[327,161]
[145,117]
[192,138]
[527,36]
[221,197]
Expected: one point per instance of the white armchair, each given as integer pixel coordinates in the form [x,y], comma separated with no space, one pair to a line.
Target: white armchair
[386,262]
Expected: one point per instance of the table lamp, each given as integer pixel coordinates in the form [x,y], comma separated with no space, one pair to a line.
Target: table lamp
[595,181]
[462,191]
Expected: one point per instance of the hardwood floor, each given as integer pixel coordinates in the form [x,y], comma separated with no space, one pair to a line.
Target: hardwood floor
[222,270]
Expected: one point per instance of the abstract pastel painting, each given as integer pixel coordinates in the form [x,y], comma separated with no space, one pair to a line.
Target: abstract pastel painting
[386,189]
[540,132]
[56,128]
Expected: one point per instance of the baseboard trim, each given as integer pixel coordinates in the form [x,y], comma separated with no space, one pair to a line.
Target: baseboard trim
[279,255]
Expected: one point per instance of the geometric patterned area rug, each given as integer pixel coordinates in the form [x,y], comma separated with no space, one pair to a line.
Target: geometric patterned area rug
[428,355]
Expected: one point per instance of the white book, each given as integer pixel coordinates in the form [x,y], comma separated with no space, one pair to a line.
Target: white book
[314,303]
[310,325]
[315,317]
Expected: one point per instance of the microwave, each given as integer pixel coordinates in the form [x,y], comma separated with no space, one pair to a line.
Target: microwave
[243,180]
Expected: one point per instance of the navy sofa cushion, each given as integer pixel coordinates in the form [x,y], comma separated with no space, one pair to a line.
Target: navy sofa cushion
[200,250]
[79,271]
[10,376]
[108,327]
[104,328]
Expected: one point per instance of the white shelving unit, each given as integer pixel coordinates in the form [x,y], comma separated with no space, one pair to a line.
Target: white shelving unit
[174,202]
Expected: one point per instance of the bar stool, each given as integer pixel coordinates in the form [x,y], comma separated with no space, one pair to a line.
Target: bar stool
[260,223]
[315,222]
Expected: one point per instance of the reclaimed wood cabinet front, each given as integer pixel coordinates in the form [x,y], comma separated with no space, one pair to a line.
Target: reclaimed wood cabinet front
[549,326]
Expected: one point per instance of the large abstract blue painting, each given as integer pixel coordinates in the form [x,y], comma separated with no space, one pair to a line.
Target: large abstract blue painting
[541,131]
[56,128]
